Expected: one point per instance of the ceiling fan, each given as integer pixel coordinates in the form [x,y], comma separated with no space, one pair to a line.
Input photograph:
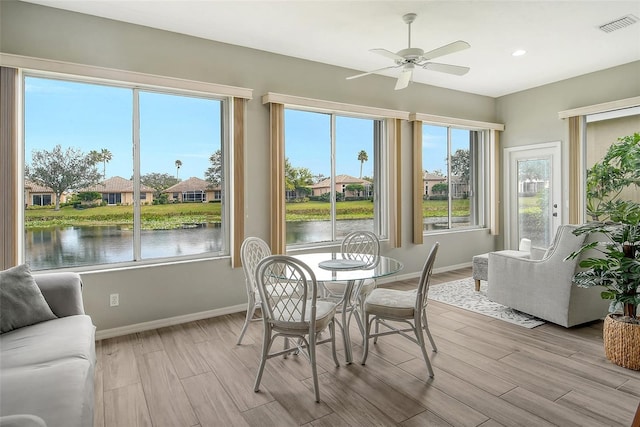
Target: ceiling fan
[413,57]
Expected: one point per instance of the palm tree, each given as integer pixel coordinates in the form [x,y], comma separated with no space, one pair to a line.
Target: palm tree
[362,157]
[105,157]
[178,165]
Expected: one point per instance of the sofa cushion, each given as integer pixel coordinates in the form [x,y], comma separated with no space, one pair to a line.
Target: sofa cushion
[47,370]
[21,302]
[46,342]
[60,392]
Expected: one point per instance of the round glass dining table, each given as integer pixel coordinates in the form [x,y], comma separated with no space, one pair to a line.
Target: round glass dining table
[351,269]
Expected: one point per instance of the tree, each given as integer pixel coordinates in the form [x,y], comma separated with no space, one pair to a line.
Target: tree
[460,165]
[103,156]
[362,157]
[178,164]
[214,173]
[297,179]
[62,171]
[317,178]
[355,189]
[159,182]
[440,188]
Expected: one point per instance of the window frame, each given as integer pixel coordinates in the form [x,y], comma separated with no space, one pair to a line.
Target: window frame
[477,166]
[391,217]
[226,126]
[380,179]
[488,170]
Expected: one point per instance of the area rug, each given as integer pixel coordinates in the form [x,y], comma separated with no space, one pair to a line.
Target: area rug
[462,294]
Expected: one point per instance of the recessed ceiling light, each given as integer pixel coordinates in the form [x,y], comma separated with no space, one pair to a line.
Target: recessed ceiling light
[519,52]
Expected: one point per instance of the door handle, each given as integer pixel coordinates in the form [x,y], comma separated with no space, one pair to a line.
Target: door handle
[555,214]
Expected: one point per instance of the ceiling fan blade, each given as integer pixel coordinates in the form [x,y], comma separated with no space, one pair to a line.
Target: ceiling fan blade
[405,78]
[446,49]
[446,68]
[371,72]
[388,54]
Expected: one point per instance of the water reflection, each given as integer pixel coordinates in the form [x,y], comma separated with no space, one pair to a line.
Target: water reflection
[77,246]
[320,231]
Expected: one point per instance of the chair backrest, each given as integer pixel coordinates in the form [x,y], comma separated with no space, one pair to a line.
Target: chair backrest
[564,243]
[425,278]
[288,290]
[361,245]
[252,251]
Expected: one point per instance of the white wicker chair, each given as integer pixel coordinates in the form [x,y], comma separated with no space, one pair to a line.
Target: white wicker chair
[392,305]
[252,251]
[358,245]
[295,314]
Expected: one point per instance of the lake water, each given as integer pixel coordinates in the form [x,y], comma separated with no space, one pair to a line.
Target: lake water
[78,246]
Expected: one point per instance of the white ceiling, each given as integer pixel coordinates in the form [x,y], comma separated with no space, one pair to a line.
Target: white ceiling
[561,38]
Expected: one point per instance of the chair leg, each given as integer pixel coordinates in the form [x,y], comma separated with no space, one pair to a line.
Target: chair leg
[266,346]
[421,342]
[251,309]
[367,328]
[426,329]
[314,368]
[286,347]
[375,339]
[332,331]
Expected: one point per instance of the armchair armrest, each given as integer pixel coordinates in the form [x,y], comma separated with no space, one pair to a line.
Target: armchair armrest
[62,291]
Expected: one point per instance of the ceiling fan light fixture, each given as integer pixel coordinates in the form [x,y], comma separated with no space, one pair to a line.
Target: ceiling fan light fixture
[410,58]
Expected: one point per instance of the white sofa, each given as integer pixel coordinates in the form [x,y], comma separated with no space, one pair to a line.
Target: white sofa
[47,369]
[544,288]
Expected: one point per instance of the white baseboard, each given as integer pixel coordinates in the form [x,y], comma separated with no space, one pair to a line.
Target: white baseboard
[170,321]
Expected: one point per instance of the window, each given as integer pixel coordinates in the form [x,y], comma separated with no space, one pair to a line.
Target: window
[88,130]
[41,199]
[451,160]
[332,177]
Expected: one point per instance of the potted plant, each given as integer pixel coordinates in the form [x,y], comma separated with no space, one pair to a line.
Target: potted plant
[615,265]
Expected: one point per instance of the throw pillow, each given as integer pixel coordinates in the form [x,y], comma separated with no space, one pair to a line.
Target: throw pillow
[21,302]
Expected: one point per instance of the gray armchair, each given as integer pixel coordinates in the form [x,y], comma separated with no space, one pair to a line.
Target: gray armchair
[544,288]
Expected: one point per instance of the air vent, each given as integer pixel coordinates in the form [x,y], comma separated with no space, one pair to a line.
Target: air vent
[619,23]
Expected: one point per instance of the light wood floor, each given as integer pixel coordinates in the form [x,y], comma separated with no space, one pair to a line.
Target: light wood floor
[487,372]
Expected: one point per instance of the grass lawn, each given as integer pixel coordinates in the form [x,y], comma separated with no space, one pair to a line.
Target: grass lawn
[175,215]
[310,211]
[153,216]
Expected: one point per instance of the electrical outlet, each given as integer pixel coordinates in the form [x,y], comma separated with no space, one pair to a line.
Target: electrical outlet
[114,300]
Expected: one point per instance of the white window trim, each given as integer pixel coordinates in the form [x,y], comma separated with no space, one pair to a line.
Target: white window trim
[600,108]
[121,76]
[309,104]
[455,122]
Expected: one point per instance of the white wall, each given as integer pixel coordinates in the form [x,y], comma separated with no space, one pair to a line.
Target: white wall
[531,116]
[157,292]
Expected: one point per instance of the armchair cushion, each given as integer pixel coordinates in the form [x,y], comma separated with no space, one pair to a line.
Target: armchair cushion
[21,301]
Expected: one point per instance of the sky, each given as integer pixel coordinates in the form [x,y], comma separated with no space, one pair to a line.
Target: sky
[94,117]
[185,128]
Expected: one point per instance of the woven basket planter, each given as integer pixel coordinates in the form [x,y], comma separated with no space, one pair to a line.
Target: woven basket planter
[622,343]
